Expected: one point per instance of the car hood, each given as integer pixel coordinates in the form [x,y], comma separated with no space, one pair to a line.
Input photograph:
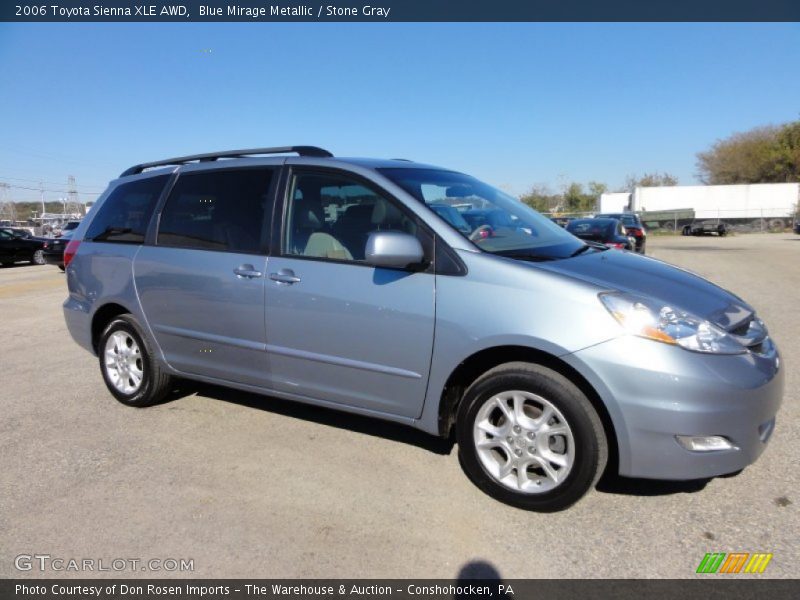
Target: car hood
[636,274]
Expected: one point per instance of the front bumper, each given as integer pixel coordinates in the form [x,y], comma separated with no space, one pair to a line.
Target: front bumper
[655,391]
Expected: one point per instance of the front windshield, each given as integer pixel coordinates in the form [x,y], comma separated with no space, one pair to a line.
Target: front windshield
[494,221]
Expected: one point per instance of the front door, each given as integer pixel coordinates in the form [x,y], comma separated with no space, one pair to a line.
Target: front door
[338,329]
[202,285]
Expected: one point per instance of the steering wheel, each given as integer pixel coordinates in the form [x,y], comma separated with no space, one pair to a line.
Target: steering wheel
[481,233]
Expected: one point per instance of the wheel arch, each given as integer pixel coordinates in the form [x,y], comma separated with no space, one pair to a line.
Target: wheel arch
[478,363]
[102,317]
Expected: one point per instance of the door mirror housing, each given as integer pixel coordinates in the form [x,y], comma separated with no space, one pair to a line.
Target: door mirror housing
[393,250]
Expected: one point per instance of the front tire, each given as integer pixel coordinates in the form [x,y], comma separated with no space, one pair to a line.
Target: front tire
[127,363]
[527,436]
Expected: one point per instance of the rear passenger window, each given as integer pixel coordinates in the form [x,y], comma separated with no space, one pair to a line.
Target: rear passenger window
[125,214]
[217,210]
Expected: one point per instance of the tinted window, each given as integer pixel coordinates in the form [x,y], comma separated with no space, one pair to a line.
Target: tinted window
[332,217]
[593,228]
[217,210]
[626,218]
[125,214]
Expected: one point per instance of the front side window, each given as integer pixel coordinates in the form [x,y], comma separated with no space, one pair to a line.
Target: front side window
[331,216]
[491,219]
[217,210]
[125,215]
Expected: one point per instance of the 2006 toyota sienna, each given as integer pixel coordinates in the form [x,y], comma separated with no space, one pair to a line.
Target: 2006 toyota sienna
[357,284]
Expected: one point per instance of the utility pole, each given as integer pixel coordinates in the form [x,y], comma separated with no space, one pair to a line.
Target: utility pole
[8,211]
[73,205]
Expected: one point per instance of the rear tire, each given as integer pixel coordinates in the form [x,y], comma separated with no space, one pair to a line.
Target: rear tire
[38,257]
[543,451]
[127,363]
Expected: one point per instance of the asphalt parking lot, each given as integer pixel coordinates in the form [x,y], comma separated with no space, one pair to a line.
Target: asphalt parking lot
[249,486]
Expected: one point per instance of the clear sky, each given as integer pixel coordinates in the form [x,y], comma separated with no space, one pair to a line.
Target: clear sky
[513,104]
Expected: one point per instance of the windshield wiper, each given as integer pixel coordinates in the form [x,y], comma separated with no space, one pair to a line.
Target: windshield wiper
[526,256]
[580,250]
[588,245]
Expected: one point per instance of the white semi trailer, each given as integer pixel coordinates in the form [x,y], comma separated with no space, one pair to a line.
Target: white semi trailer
[746,206]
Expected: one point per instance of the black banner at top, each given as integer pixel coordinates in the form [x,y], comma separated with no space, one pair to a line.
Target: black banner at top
[397,10]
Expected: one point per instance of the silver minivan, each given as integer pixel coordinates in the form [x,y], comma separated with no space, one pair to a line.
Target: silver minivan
[420,295]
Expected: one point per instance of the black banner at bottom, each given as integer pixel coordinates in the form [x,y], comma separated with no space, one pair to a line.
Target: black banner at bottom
[727,588]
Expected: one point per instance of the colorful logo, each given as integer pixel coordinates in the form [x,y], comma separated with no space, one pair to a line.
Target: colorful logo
[735,562]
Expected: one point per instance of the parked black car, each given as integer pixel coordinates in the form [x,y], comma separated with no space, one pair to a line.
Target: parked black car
[610,232]
[797,226]
[18,245]
[633,225]
[53,250]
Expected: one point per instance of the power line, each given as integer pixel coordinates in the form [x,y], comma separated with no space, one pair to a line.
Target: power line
[39,189]
[42,181]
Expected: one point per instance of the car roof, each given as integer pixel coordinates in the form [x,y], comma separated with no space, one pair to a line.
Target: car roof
[616,215]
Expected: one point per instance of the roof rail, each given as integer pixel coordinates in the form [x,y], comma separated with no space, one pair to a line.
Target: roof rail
[212,156]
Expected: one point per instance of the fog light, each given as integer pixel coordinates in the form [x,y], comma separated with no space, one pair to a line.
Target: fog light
[704,443]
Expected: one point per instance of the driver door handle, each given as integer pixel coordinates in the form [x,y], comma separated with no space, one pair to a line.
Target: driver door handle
[286,276]
[247,272]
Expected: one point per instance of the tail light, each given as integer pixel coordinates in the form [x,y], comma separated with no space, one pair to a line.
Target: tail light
[637,232]
[70,250]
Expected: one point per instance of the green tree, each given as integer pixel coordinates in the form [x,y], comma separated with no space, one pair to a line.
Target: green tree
[769,154]
[574,197]
[788,152]
[540,198]
[597,189]
[654,179]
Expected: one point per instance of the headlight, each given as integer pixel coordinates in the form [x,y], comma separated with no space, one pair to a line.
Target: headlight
[662,323]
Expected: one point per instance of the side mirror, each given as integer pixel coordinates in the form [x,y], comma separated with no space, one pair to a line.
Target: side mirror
[393,250]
